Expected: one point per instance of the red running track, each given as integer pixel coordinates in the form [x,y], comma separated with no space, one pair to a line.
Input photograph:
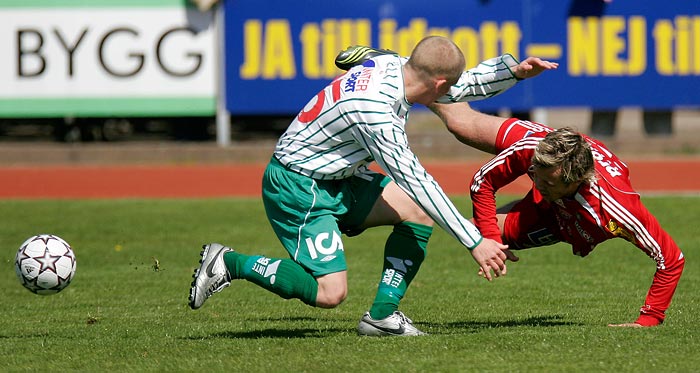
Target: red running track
[655,176]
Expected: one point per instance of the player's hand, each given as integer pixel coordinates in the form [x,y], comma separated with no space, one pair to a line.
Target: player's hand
[626,325]
[490,256]
[533,66]
[509,256]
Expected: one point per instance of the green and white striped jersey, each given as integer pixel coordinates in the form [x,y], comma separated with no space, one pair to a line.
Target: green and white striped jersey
[360,117]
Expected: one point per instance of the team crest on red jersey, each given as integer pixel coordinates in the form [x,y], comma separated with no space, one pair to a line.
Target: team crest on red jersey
[619,231]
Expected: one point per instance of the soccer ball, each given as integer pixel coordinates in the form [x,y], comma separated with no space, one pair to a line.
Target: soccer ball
[45,264]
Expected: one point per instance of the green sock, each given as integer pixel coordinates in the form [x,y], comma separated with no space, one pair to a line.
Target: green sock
[403,254]
[283,277]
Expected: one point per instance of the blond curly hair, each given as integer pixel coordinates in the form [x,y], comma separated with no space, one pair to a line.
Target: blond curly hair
[568,150]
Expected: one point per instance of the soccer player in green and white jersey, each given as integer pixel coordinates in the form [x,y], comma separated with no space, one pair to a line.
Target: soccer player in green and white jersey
[318,186]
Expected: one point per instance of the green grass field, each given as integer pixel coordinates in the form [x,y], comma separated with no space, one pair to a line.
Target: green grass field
[121,313]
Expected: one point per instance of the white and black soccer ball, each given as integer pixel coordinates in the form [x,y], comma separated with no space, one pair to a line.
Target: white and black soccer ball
[45,264]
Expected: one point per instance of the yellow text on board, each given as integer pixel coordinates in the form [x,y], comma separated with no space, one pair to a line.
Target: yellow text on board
[610,46]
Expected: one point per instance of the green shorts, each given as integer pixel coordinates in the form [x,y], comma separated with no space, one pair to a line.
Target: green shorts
[309,215]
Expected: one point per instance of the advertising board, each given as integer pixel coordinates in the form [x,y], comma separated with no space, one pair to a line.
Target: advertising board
[611,54]
[106,58]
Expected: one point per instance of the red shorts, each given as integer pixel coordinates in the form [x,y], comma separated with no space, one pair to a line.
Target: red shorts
[528,225]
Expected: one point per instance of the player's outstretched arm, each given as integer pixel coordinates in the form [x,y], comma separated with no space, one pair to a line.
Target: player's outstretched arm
[533,66]
[357,54]
[469,126]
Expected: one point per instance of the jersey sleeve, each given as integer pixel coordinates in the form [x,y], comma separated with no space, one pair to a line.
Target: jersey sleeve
[384,137]
[488,79]
[500,171]
[632,221]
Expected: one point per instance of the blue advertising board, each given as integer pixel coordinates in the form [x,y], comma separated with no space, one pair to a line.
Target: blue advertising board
[280,53]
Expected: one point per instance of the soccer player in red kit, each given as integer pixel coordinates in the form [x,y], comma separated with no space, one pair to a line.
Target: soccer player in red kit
[581,194]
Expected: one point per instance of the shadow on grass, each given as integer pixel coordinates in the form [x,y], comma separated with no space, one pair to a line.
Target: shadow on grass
[442,328]
[460,327]
[308,327]
[299,319]
[273,333]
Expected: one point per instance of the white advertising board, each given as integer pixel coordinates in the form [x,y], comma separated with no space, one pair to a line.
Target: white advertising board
[104,58]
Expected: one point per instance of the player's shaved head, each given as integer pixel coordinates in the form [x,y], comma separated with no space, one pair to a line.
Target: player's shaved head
[437,56]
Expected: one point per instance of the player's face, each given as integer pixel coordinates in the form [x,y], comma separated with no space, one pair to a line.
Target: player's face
[548,183]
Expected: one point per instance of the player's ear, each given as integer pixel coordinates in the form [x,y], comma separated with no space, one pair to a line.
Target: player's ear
[441,85]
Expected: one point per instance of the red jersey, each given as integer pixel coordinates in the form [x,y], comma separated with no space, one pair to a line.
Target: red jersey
[600,210]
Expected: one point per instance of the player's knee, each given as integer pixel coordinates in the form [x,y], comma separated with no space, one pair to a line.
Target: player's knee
[331,298]
[332,290]
[418,216]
